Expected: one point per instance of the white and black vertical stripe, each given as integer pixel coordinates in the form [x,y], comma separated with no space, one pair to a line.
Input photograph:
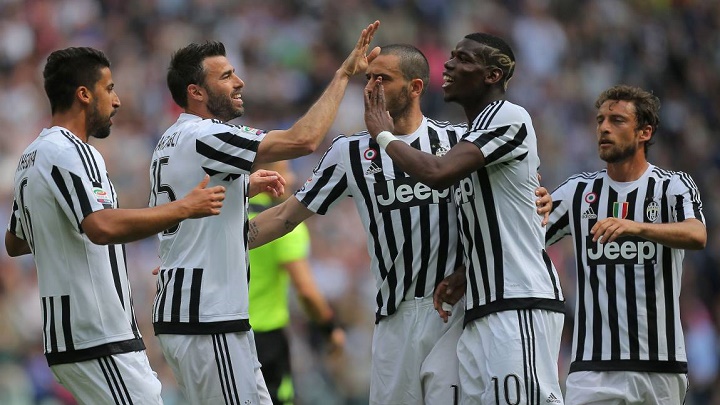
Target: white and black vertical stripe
[223,361]
[412,240]
[627,313]
[526,325]
[57,323]
[507,266]
[114,379]
[178,294]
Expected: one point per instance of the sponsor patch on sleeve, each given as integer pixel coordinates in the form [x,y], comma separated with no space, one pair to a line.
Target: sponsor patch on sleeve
[102,196]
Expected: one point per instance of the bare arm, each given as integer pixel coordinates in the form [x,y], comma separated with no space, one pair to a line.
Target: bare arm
[277,221]
[689,234]
[437,172]
[309,131]
[112,226]
[15,246]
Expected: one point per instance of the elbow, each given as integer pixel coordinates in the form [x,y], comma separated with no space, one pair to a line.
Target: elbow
[100,236]
[437,181]
[699,243]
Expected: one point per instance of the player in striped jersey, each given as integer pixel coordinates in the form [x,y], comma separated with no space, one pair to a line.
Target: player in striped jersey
[65,212]
[411,236]
[200,312]
[509,347]
[630,225]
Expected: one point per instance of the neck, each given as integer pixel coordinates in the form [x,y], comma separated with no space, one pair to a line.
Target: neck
[628,170]
[475,107]
[73,121]
[199,110]
[409,122]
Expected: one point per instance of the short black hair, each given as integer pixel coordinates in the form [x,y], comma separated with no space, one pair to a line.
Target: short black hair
[647,106]
[69,68]
[186,68]
[413,63]
[499,54]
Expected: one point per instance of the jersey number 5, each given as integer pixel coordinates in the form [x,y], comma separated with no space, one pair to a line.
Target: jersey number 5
[159,188]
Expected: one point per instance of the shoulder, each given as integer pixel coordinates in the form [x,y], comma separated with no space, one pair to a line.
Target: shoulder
[583,177]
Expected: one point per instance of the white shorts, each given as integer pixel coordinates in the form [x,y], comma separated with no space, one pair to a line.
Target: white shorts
[511,357]
[216,369]
[625,387]
[124,378]
[414,358]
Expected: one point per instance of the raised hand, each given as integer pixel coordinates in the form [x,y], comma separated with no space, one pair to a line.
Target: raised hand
[203,202]
[358,60]
[377,118]
[266,181]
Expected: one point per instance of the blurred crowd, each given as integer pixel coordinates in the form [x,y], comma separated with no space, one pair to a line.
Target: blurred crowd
[567,51]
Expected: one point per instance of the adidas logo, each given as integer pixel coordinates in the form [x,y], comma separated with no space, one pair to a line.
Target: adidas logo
[373,169]
[589,214]
[552,399]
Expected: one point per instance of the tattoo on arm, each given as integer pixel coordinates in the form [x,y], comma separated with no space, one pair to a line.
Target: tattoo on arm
[289,225]
[253,231]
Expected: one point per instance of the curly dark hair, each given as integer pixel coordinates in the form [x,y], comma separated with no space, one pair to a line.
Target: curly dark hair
[647,106]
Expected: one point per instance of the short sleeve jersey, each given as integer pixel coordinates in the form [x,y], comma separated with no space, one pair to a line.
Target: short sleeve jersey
[202,286]
[85,297]
[411,229]
[503,239]
[627,315]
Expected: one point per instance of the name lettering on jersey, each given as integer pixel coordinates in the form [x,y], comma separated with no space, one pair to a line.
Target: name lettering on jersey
[406,192]
[167,141]
[26,160]
[627,250]
[652,211]
[464,191]
[620,209]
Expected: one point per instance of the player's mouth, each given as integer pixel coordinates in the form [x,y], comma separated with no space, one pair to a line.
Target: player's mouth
[447,80]
[237,98]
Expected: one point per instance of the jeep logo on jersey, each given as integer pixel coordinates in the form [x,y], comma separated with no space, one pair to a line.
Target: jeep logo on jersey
[627,250]
[406,192]
[464,191]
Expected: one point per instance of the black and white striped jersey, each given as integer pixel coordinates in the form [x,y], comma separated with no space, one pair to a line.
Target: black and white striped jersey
[502,235]
[411,229]
[84,290]
[202,286]
[627,310]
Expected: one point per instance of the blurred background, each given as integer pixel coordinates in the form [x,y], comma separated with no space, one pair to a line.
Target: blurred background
[286,51]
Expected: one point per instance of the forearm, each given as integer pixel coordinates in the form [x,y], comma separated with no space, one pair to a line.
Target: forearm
[276,222]
[114,226]
[308,132]
[422,166]
[689,234]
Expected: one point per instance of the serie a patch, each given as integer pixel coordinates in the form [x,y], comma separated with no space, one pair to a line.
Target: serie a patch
[102,196]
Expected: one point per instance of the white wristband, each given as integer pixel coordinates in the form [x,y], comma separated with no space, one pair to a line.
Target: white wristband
[384,138]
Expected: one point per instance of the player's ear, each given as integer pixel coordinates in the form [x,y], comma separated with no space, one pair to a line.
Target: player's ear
[195,92]
[416,87]
[83,95]
[645,133]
